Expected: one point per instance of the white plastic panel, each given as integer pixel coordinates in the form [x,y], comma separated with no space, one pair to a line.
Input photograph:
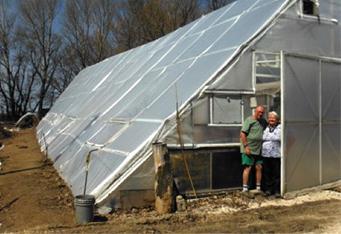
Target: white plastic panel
[331,148]
[237,78]
[236,9]
[301,156]
[73,165]
[301,109]
[108,131]
[302,86]
[156,82]
[258,17]
[331,121]
[207,39]
[306,36]
[177,50]
[312,111]
[134,136]
[208,20]
[100,167]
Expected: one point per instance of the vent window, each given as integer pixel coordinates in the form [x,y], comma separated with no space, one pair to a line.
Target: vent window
[310,7]
[226,110]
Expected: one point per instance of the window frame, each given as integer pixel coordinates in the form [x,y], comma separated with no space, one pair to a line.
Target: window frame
[254,66]
[211,110]
[315,7]
[314,17]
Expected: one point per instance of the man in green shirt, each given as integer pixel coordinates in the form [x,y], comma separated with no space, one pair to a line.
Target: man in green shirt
[251,137]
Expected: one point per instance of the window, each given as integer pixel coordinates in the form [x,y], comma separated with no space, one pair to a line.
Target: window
[226,110]
[267,67]
[310,7]
[310,10]
[267,77]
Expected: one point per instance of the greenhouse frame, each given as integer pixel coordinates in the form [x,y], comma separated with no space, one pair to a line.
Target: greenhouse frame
[205,79]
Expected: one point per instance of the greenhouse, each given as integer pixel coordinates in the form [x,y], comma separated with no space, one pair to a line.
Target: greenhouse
[192,90]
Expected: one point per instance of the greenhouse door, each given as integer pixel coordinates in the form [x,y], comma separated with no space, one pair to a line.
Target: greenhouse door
[311,118]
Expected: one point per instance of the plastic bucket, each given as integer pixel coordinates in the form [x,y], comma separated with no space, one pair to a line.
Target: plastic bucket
[84,206]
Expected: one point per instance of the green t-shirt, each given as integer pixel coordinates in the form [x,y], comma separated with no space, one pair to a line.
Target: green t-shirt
[254,134]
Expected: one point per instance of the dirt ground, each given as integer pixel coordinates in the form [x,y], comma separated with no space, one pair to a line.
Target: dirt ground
[31,192]
[33,199]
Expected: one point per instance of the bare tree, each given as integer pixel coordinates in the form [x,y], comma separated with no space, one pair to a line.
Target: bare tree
[138,22]
[88,28]
[38,61]
[15,86]
[42,43]
[67,69]
[8,83]
[126,25]
[182,12]
[103,20]
[77,30]
[216,4]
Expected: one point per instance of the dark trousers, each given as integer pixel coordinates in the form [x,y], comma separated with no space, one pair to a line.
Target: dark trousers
[272,175]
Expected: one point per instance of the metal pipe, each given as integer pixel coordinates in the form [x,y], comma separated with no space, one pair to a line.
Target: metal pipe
[283,182]
[87,169]
[46,147]
[211,109]
[211,171]
[320,120]
[315,57]
[253,71]
[198,146]
[228,92]
[320,18]
[224,125]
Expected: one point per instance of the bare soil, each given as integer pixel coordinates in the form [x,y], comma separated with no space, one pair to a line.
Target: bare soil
[33,199]
[31,192]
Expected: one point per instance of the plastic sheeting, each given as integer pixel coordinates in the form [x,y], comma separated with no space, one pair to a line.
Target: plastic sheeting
[312,130]
[295,34]
[120,104]
[301,105]
[196,128]
[331,127]
[312,106]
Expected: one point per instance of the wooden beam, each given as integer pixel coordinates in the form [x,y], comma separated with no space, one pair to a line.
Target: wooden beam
[164,200]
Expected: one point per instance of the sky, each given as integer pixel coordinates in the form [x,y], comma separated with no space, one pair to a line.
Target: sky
[13,6]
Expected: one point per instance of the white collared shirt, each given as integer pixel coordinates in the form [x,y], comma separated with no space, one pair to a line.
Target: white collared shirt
[271,146]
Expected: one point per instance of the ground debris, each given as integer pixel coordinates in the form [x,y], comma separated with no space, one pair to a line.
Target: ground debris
[46,205]
[43,196]
[8,205]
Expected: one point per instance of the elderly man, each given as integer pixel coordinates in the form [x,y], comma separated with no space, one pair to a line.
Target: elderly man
[251,137]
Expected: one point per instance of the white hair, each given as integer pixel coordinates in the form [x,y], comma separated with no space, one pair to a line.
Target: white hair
[274,113]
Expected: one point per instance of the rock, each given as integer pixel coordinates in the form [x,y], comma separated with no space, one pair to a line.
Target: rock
[104,210]
[181,203]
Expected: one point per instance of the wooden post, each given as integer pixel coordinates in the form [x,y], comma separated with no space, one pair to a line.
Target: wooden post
[163,179]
